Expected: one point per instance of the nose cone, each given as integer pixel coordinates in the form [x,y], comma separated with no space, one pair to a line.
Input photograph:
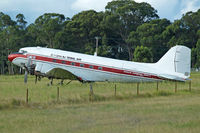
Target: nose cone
[11,57]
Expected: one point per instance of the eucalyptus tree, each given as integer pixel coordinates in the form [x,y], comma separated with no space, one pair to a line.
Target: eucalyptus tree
[46,27]
[21,21]
[185,32]
[124,16]
[143,54]
[150,35]
[82,30]
[7,40]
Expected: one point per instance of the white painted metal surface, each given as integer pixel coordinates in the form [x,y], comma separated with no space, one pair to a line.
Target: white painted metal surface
[174,65]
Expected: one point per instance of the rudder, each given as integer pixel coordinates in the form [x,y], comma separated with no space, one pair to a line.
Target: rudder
[177,59]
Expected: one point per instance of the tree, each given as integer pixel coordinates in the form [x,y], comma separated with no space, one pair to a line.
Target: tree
[124,16]
[82,29]
[150,35]
[177,34]
[197,65]
[47,26]
[143,54]
[184,32]
[194,57]
[191,22]
[7,41]
[21,21]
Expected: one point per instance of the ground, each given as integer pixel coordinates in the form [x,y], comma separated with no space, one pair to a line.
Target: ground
[152,111]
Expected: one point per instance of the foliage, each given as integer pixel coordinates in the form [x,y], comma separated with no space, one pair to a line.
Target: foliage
[47,26]
[124,16]
[143,54]
[84,27]
[197,50]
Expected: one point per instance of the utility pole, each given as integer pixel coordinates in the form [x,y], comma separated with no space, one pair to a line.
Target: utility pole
[97,43]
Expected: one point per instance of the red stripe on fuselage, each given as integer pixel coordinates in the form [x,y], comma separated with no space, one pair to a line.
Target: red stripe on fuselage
[95,67]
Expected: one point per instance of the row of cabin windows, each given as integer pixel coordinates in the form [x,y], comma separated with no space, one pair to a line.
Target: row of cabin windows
[81,65]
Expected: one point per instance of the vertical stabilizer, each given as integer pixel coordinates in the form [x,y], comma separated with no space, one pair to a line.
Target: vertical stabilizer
[176,60]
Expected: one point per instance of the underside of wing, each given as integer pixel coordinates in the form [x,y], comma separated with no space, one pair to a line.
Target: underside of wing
[52,71]
[59,73]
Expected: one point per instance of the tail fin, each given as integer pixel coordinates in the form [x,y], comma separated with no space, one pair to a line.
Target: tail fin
[176,60]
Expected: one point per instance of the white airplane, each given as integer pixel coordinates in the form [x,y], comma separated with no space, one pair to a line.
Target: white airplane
[53,63]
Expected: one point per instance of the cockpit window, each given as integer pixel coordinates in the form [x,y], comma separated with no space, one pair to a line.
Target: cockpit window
[22,51]
[16,53]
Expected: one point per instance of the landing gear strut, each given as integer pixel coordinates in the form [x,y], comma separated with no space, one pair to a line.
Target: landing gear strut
[61,83]
[51,83]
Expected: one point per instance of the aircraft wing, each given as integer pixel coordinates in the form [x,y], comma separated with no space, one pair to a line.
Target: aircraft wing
[52,71]
[59,73]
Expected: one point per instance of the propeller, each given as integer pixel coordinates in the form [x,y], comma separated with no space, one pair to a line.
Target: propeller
[27,69]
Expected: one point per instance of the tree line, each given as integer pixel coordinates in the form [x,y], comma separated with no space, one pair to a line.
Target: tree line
[128,30]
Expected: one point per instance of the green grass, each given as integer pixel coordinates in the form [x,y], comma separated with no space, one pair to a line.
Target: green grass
[152,111]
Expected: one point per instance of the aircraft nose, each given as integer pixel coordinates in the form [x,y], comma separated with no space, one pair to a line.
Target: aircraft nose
[11,57]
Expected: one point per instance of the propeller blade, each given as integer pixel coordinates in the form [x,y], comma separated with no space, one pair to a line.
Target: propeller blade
[29,62]
[25,76]
[27,69]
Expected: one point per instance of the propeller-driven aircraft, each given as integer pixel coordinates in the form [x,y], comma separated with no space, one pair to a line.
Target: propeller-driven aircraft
[59,64]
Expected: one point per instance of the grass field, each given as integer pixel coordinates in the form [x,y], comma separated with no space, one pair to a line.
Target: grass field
[152,111]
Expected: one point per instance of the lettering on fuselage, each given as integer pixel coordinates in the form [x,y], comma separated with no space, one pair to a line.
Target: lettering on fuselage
[65,57]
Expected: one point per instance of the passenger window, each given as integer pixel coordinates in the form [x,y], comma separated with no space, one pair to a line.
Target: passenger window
[73,63]
[100,68]
[81,65]
[54,60]
[23,51]
[63,62]
[91,67]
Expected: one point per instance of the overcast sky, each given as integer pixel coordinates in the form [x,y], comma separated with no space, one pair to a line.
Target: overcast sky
[170,9]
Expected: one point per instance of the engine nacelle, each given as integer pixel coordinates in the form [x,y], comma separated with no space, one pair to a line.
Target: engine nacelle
[32,69]
[41,69]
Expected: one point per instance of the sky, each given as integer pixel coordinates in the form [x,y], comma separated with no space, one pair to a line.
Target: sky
[32,9]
